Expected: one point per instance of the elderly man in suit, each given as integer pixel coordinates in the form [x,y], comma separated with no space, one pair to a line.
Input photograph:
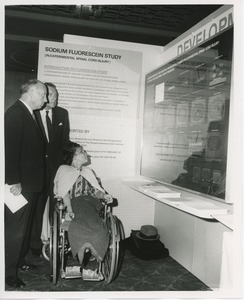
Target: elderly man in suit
[24,171]
[54,123]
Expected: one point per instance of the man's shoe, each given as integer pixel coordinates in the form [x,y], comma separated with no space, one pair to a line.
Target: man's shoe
[14,281]
[27,267]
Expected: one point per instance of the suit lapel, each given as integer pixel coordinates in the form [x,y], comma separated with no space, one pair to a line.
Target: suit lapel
[55,121]
[53,124]
[30,117]
[39,122]
[54,118]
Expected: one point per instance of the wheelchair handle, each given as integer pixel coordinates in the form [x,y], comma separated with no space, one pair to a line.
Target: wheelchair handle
[60,203]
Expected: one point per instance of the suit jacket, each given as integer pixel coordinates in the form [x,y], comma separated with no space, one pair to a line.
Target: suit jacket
[24,149]
[61,129]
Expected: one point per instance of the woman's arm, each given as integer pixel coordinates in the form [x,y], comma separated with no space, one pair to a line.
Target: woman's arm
[67,202]
[100,195]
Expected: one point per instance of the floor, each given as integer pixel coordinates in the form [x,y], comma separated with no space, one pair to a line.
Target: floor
[135,275]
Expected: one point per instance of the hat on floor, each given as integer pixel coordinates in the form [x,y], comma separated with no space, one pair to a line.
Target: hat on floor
[148,233]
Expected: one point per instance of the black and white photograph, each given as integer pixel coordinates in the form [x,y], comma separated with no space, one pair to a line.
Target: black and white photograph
[121,149]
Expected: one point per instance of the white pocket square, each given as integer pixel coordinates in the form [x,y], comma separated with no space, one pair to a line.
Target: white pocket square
[60,124]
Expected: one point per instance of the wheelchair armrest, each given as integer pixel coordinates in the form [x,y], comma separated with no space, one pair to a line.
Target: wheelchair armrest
[114,203]
[107,207]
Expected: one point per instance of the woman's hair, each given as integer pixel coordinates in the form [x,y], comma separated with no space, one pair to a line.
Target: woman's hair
[68,152]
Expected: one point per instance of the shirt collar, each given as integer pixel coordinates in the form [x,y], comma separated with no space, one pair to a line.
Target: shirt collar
[43,112]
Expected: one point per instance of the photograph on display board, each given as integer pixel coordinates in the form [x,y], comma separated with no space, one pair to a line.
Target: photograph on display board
[182,114]
[198,111]
[216,107]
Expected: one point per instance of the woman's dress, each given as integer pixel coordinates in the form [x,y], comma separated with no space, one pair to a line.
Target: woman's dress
[87,229]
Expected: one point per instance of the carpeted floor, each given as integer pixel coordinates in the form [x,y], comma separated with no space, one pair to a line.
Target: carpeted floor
[135,275]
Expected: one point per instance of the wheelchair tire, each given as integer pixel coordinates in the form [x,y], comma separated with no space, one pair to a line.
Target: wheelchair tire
[54,249]
[121,250]
[110,262]
[51,251]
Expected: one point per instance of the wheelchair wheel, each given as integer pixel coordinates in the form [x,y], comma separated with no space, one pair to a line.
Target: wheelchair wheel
[53,261]
[110,262]
[120,251]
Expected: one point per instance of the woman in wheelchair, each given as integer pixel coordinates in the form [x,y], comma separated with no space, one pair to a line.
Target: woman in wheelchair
[82,194]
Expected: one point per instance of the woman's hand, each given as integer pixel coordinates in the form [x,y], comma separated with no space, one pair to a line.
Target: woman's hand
[69,216]
[108,198]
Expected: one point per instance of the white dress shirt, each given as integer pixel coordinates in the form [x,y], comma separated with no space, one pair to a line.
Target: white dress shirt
[43,116]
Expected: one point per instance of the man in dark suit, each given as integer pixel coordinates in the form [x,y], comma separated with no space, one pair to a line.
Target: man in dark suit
[54,124]
[24,171]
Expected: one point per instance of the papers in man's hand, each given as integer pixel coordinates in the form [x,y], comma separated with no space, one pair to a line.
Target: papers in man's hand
[14,203]
[159,191]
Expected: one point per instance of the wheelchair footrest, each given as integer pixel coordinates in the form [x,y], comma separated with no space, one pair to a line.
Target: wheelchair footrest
[91,275]
[71,272]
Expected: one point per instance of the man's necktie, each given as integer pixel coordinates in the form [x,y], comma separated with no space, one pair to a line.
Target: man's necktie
[49,126]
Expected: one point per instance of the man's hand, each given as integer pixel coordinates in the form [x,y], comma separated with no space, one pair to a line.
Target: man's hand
[16,189]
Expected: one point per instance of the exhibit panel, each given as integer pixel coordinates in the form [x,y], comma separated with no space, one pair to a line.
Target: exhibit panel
[186,118]
[99,87]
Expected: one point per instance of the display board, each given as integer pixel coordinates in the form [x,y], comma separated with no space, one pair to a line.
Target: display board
[186,117]
[100,88]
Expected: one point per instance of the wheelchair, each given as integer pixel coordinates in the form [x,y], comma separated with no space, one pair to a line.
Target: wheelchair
[57,249]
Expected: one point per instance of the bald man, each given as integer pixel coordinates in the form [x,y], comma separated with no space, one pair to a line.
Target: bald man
[24,171]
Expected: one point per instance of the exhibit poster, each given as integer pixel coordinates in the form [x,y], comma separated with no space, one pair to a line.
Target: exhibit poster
[91,80]
[100,88]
